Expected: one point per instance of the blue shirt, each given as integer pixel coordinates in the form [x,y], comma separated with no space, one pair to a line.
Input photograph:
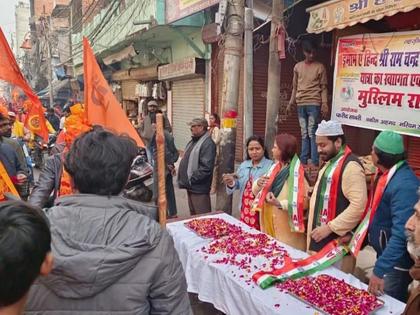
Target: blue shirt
[245,170]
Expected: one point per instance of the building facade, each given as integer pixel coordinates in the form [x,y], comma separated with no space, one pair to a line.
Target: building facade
[22,15]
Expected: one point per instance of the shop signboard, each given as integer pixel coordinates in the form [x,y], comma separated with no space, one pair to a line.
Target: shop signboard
[332,14]
[178,9]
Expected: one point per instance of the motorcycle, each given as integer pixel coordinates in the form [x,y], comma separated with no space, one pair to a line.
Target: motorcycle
[140,182]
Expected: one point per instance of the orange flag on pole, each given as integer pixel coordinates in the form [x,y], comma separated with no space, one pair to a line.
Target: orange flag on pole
[6,185]
[35,121]
[102,108]
[10,72]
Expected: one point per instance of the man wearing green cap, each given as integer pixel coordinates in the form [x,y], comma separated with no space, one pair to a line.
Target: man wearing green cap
[392,204]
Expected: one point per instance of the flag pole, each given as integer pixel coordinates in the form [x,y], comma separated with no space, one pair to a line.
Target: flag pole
[161,168]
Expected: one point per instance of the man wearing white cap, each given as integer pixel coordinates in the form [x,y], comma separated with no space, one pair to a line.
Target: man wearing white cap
[340,194]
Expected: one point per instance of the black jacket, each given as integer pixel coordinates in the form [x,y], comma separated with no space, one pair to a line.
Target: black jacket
[171,152]
[201,178]
[46,188]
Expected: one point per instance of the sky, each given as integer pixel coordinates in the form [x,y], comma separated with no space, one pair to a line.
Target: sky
[7,16]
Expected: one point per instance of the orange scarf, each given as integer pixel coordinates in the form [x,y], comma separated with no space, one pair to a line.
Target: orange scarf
[66,187]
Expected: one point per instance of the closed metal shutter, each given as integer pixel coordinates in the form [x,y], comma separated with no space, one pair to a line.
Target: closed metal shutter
[260,89]
[128,88]
[288,124]
[187,103]
[413,149]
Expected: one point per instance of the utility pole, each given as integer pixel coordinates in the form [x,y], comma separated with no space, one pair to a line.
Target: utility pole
[49,60]
[273,89]
[230,94]
[47,39]
[248,72]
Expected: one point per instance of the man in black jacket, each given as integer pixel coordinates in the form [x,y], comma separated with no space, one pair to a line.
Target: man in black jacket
[9,157]
[196,167]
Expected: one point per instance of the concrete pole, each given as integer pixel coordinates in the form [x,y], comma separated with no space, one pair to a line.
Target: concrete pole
[248,75]
[230,94]
[273,89]
[50,74]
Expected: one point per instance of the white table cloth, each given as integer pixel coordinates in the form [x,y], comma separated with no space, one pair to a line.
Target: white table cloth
[227,288]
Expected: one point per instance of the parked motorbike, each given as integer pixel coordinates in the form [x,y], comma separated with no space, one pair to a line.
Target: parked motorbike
[140,182]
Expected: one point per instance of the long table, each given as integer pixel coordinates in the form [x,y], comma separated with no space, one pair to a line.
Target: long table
[229,289]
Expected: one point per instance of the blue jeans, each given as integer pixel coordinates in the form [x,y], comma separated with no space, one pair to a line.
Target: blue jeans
[308,120]
[396,284]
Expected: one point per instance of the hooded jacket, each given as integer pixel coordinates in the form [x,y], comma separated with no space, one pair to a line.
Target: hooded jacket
[108,259]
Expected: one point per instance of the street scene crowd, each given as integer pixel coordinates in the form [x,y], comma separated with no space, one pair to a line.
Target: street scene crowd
[87,203]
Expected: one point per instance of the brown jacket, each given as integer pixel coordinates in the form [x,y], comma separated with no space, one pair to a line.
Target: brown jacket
[413,303]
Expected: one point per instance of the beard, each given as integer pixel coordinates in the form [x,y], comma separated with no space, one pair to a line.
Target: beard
[328,155]
[412,248]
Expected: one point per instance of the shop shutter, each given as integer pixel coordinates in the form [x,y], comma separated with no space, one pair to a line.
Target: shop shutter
[288,124]
[260,89]
[128,88]
[187,103]
[413,149]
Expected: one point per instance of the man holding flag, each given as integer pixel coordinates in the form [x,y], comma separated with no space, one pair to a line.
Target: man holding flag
[11,171]
[10,72]
[395,194]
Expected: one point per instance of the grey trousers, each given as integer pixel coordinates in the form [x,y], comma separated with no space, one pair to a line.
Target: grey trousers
[199,203]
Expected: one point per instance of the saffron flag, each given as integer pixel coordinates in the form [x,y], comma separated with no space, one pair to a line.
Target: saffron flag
[10,72]
[102,108]
[6,185]
[35,121]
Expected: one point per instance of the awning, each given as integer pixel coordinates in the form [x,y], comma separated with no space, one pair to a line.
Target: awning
[57,86]
[342,13]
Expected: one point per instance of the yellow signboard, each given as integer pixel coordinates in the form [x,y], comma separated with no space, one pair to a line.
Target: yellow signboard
[342,13]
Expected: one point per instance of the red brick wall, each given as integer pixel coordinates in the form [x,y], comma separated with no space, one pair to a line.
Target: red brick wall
[90,8]
[43,7]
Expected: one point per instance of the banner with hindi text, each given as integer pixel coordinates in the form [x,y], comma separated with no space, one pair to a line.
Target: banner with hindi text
[377,82]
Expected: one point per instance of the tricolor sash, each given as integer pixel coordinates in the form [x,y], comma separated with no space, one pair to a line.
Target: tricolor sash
[258,203]
[6,184]
[296,182]
[332,252]
[361,231]
[326,205]
[329,255]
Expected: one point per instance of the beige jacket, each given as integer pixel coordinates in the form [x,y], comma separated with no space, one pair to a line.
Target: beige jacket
[275,221]
[354,189]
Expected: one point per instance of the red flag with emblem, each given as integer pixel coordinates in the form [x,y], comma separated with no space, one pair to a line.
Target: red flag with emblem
[10,72]
[35,121]
[102,108]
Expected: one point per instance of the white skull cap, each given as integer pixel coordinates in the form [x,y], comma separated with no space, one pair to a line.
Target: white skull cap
[329,128]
